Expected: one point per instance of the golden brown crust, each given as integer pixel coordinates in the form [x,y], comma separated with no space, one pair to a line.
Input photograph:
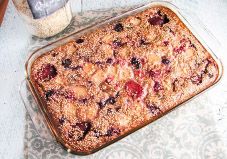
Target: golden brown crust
[120,76]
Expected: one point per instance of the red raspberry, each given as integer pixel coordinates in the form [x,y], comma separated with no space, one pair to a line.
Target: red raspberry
[134,89]
[47,72]
[157,86]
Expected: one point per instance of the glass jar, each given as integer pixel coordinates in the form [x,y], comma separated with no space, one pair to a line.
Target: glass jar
[44,18]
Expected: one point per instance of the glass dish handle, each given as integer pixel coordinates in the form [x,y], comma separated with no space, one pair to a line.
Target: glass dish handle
[34,112]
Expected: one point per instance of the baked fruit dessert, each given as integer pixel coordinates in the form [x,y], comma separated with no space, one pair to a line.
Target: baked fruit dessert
[122,76]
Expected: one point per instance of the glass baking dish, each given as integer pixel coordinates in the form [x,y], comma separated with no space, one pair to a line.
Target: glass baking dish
[39,115]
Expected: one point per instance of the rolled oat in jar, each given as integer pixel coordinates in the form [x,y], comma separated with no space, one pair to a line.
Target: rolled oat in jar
[45,18]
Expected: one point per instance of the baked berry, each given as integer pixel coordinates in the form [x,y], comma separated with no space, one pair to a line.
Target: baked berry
[154,109]
[79,41]
[158,20]
[117,43]
[154,73]
[70,134]
[139,73]
[157,86]
[117,108]
[97,133]
[174,85]
[192,45]
[207,63]
[83,126]
[165,19]
[47,72]
[180,49]
[197,79]
[99,63]
[133,89]
[62,120]
[101,104]
[84,100]
[109,61]
[159,13]
[165,61]
[118,27]
[49,93]
[112,131]
[136,63]
[66,63]
[117,94]
[109,111]
[75,68]
[111,100]
[166,43]
[68,95]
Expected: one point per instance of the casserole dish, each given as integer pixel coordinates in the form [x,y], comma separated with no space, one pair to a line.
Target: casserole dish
[164,10]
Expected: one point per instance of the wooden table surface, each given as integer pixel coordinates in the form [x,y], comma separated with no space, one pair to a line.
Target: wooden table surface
[14,41]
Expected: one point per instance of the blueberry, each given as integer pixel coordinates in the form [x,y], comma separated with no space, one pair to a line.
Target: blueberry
[111,100]
[62,120]
[97,133]
[165,19]
[79,41]
[112,131]
[101,104]
[109,61]
[84,126]
[98,63]
[159,13]
[165,61]
[117,43]
[118,27]
[117,94]
[66,63]
[136,63]
[48,94]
